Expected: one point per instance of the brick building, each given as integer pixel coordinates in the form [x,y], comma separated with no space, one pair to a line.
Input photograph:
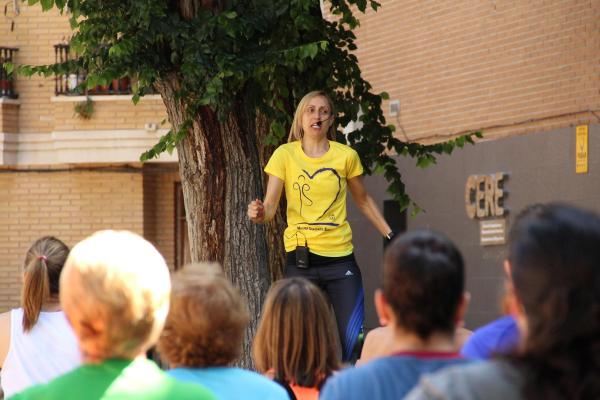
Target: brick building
[64,175]
[526,74]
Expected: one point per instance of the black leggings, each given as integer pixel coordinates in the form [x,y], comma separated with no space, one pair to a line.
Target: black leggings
[341,281]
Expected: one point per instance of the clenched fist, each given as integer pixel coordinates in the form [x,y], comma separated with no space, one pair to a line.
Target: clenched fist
[256,211]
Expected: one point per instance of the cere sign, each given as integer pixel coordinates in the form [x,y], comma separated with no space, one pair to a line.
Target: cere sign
[484,195]
[484,200]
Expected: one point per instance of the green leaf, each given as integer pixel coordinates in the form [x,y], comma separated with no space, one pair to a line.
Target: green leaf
[9,67]
[91,81]
[26,70]
[47,4]
[73,22]
[384,95]
[312,50]
[277,130]
[380,169]
[425,161]
[415,210]
[115,50]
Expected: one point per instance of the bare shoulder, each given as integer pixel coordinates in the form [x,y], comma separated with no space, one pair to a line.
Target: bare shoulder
[378,334]
[5,321]
[377,344]
[4,336]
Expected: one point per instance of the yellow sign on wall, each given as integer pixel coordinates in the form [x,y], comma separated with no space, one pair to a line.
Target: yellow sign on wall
[581,149]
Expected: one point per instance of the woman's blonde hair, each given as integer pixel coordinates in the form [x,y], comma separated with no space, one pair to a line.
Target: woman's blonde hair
[115,290]
[296,337]
[206,322]
[296,132]
[41,273]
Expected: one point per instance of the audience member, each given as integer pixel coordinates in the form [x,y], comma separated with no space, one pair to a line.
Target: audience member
[36,342]
[115,291]
[422,301]
[296,340]
[500,336]
[203,336]
[554,265]
[380,341]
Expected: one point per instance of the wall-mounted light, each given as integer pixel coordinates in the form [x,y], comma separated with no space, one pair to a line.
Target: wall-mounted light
[395,108]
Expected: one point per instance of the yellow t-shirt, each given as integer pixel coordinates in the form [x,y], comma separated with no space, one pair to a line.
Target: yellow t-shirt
[315,189]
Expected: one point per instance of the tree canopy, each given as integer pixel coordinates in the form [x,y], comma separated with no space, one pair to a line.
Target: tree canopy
[265,54]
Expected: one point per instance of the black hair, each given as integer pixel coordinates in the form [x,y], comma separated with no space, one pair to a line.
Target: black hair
[554,252]
[424,282]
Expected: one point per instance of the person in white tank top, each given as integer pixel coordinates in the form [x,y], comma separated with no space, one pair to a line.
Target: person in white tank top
[37,343]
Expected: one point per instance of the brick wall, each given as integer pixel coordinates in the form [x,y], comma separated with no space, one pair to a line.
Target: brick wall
[68,204]
[9,117]
[109,115]
[159,207]
[35,33]
[507,67]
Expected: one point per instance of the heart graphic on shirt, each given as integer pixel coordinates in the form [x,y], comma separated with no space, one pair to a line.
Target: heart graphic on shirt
[305,184]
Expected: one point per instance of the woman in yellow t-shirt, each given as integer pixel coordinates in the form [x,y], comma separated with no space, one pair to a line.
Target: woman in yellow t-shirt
[315,171]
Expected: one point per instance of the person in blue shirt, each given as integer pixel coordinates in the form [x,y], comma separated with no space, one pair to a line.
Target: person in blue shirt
[500,336]
[422,301]
[203,336]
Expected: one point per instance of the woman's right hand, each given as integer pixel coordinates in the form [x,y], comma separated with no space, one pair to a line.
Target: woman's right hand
[256,211]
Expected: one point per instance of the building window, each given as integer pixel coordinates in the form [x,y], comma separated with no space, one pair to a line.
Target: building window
[182,243]
[72,82]
[7,87]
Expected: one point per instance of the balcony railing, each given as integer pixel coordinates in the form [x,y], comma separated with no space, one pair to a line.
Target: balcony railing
[7,84]
[70,84]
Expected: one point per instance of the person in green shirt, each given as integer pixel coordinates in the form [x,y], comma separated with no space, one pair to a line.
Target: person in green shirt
[115,290]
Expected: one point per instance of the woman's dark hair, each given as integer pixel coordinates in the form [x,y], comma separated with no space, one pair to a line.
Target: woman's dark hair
[554,251]
[423,281]
[41,272]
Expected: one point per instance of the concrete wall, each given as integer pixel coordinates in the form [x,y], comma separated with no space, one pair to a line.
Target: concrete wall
[540,168]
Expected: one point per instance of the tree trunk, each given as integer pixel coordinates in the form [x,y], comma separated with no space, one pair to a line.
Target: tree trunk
[220,173]
[275,228]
